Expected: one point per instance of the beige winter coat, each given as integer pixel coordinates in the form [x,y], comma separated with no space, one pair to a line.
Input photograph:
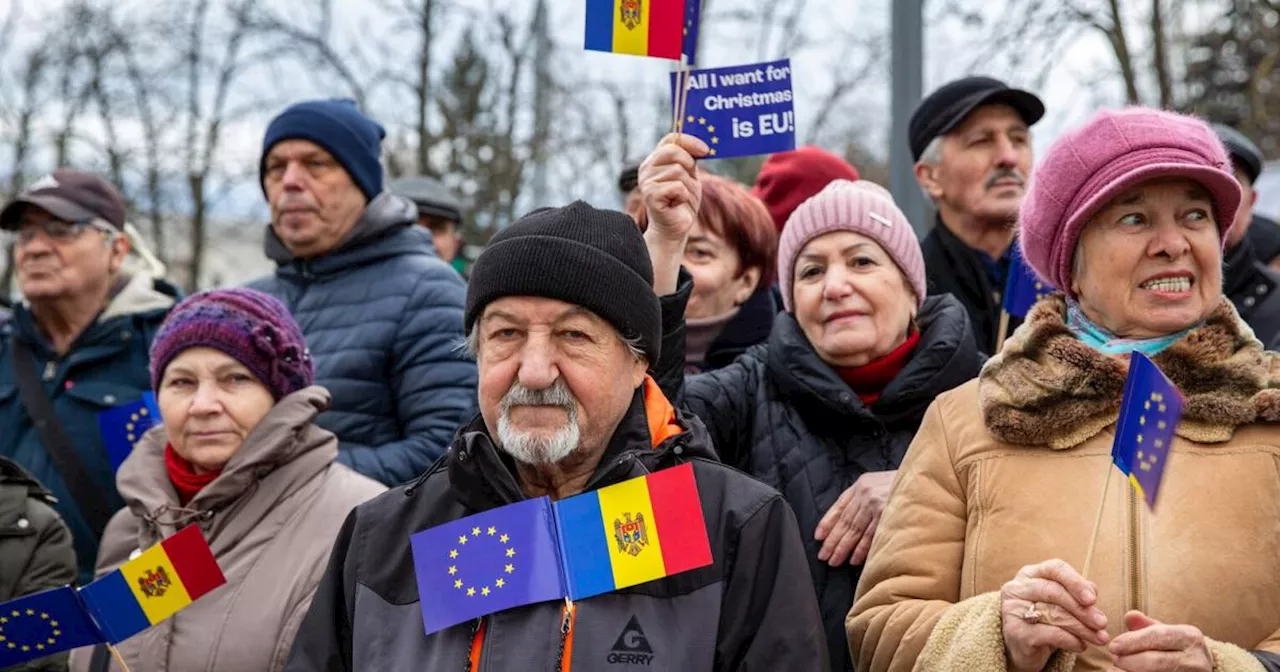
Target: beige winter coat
[271,518]
[1008,470]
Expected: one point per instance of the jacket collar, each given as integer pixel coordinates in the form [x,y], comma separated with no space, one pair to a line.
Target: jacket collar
[388,220]
[142,296]
[1238,267]
[284,451]
[651,435]
[1046,388]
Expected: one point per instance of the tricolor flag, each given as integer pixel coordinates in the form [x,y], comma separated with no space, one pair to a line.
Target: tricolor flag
[639,27]
[1149,414]
[534,551]
[159,583]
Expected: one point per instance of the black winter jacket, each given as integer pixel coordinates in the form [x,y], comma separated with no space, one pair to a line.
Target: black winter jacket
[783,415]
[1254,289]
[951,267]
[35,547]
[751,610]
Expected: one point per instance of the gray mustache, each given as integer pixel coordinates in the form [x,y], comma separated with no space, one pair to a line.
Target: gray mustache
[1002,173]
[556,395]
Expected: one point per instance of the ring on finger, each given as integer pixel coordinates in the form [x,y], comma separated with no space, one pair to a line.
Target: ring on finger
[1031,615]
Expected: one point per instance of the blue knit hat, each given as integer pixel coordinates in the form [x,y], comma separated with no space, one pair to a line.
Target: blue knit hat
[341,129]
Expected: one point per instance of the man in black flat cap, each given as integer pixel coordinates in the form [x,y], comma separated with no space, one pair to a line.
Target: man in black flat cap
[971,140]
[1252,286]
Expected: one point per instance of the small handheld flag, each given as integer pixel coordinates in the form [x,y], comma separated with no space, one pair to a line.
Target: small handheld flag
[534,551]
[653,28]
[43,624]
[159,583]
[1149,415]
[123,426]
[1022,289]
[692,24]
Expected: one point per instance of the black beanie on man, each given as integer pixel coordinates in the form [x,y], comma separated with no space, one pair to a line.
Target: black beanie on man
[592,258]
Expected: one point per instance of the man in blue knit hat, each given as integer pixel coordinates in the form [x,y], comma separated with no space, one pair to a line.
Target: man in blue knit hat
[381,313]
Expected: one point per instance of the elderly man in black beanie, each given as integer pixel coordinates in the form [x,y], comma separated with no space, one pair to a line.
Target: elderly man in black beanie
[563,319]
[381,312]
[971,140]
[1252,286]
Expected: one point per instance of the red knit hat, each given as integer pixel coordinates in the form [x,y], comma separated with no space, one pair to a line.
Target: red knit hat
[788,179]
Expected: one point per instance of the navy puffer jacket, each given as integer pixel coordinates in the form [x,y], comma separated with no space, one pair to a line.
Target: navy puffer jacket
[382,315]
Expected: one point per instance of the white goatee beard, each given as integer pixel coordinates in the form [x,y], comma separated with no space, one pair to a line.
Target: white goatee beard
[535,450]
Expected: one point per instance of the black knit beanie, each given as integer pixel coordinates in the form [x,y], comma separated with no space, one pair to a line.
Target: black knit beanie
[592,258]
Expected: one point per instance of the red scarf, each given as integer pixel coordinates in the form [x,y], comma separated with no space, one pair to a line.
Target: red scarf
[870,379]
[184,477]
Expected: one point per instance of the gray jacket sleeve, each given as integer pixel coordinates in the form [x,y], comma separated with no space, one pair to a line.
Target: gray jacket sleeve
[433,381]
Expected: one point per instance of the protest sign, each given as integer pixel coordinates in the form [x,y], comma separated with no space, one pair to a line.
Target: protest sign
[741,110]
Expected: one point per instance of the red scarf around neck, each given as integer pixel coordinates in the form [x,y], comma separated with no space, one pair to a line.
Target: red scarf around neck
[186,482]
[869,380]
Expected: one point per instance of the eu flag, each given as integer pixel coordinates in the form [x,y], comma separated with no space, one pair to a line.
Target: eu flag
[1149,415]
[42,624]
[123,426]
[692,22]
[1022,289]
[499,559]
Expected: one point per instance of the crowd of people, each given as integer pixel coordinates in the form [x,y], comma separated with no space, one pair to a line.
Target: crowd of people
[889,479]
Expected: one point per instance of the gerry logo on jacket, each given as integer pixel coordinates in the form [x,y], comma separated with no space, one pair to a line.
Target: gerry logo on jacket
[632,647]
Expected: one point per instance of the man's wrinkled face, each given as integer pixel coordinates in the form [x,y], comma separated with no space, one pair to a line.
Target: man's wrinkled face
[56,259]
[555,379]
[314,202]
[983,168]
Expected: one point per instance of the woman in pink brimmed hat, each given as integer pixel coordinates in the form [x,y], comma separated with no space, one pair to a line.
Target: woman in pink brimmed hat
[978,561]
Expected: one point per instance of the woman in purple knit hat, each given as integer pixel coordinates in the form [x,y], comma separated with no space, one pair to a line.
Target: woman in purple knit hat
[980,560]
[238,453]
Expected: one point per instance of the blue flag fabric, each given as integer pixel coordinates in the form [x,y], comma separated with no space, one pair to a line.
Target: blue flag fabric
[123,426]
[742,110]
[692,23]
[1022,289]
[1149,415]
[499,559]
[42,624]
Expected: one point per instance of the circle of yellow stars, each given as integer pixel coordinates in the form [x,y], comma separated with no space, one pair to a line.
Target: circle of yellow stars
[54,631]
[1145,461]
[133,420]
[484,589]
[711,131]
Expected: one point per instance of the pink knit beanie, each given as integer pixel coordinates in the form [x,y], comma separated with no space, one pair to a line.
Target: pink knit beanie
[1117,149]
[862,207]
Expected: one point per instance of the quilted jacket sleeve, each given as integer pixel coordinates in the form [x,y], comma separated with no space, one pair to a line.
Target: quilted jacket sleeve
[912,578]
[724,400]
[432,379]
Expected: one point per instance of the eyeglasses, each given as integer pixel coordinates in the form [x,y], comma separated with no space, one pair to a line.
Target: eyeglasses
[57,230]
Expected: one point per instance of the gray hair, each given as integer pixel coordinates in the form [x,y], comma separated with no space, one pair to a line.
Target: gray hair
[470,345]
[931,156]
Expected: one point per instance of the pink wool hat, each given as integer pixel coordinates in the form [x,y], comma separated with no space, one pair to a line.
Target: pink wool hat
[862,207]
[1117,149]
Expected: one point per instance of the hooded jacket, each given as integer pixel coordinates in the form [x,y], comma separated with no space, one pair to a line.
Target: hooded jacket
[752,609]
[784,416]
[105,367]
[1007,471]
[270,518]
[35,546]
[383,318]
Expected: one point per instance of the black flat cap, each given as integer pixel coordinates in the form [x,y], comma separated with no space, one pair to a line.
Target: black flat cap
[629,178]
[1243,152]
[941,111]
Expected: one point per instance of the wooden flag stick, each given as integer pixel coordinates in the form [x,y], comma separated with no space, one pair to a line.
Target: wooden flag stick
[684,93]
[1003,331]
[1097,523]
[680,96]
[115,653]
[675,102]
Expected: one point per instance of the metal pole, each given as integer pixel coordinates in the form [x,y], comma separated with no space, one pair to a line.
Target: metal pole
[908,76]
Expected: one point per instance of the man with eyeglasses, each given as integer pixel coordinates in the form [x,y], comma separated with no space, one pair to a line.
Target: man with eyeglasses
[76,345]
[382,313]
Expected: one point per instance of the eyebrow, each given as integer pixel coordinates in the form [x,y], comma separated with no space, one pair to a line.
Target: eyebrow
[300,156]
[846,250]
[568,313]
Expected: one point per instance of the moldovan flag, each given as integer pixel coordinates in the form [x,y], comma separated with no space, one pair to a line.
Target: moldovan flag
[636,531]
[159,583]
[639,27]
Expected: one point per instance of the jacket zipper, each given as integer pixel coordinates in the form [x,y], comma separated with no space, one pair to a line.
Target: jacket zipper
[564,655]
[1135,547]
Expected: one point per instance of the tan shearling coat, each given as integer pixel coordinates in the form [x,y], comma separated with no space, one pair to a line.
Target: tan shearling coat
[1008,470]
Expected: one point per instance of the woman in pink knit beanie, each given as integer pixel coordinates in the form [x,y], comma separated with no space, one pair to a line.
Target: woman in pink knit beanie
[983,561]
[825,408]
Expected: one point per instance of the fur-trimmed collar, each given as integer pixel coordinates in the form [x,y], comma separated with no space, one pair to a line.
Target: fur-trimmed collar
[1048,388]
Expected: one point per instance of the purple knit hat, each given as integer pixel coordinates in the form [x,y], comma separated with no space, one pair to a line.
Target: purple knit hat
[862,207]
[1117,149]
[252,328]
